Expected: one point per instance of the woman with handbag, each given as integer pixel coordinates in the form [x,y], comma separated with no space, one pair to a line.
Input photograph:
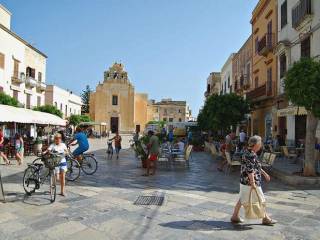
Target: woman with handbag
[251,195]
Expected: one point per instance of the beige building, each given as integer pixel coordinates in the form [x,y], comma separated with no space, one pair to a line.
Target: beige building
[66,101]
[22,66]
[169,111]
[115,103]
[213,84]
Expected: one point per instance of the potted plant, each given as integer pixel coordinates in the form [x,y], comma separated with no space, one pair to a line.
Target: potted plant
[38,145]
[141,153]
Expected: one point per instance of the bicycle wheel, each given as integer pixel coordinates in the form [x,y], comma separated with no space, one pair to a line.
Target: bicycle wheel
[37,160]
[30,180]
[89,165]
[73,171]
[52,186]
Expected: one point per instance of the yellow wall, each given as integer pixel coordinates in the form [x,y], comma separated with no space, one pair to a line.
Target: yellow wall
[141,110]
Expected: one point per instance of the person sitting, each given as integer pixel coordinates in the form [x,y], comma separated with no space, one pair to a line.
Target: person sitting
[81,139]
[19,148]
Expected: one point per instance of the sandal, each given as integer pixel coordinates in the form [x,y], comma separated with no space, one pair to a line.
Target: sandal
[62,194]
[145,175]
[236,220]
[268,221]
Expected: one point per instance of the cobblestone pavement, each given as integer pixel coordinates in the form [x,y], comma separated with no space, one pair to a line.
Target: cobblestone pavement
[198,203]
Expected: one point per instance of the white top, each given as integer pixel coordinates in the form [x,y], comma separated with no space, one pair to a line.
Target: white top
[242,136]
[60,148]
[181,146]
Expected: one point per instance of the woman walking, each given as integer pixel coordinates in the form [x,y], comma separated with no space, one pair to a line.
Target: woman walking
[250,177]
[19,146]
[117,143]
[2,148]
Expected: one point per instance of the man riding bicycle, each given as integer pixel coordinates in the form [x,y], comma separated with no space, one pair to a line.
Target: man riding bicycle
[81,139]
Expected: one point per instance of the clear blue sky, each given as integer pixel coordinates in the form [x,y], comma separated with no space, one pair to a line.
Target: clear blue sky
[169,47]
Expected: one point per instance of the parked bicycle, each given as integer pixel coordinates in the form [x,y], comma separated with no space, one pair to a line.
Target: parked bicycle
[41,172]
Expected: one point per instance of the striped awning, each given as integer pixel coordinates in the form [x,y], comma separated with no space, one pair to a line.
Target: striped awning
[291,111]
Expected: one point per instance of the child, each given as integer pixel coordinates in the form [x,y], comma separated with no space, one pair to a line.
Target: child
[59,147]
[19,148]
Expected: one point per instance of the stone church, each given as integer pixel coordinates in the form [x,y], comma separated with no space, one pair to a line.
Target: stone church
[116,104]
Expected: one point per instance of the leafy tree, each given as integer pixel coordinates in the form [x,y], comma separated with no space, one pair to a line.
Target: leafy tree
[160,123]
[85,97]
[76,119]
[49,109]
[7,100]
[222,111]
[302,87]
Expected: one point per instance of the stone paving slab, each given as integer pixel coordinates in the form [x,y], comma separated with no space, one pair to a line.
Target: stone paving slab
[198,204]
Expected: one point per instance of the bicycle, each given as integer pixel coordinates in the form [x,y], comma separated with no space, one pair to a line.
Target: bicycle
[37,173]
[110,150]
[87,162]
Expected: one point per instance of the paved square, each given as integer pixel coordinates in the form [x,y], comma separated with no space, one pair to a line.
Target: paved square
[198,203]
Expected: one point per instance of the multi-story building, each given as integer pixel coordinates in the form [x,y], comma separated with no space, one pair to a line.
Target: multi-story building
[169,111]
[241,68]
[299,36]
[66,101]
[213,84]
[115,102]
[226,76]
[22,66]
[264,69]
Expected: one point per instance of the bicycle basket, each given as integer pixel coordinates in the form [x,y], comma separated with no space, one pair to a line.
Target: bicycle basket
[52,161]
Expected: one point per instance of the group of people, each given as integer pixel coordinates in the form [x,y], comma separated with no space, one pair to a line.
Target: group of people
[18,145]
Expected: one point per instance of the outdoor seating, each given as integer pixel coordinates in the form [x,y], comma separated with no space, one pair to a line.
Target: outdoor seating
[287,154]
[184,158]
[268,160]
[230,163]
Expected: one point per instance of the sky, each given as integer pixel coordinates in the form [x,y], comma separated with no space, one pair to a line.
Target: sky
[168,47]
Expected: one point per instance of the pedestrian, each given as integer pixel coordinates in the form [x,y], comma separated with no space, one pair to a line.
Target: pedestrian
[223,161]
[59,147]
[250,177]
[117,143]
[19,146]
[242,139]
[189,137]
[2,148]
[170,136]
[153,148]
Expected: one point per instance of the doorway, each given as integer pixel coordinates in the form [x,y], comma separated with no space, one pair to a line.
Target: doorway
[138,128]
[114,124]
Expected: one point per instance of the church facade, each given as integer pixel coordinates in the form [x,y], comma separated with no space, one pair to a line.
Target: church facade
[115,103]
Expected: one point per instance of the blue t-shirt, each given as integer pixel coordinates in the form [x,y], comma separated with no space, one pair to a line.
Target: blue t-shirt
[82,140]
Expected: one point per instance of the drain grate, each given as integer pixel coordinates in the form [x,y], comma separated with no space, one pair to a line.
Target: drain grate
[149,200]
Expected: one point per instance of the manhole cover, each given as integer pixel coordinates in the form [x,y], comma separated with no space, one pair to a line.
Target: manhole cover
[149,200]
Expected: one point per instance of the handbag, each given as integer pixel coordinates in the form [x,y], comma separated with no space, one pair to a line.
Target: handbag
[254,210]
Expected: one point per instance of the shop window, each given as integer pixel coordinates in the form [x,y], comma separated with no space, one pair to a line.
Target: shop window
[114,100]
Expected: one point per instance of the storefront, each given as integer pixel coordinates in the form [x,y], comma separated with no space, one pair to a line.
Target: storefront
[292,124]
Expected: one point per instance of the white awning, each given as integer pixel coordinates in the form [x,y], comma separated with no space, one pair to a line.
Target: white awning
[22,115]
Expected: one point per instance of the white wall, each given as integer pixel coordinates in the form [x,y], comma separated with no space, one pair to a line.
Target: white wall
[5,17]
[226,73]
[13,47]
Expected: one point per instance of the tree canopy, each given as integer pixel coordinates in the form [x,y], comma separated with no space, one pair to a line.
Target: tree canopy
[222,111]
[302,85]
[76,119]
[85,97]
[49,109]
[7,100]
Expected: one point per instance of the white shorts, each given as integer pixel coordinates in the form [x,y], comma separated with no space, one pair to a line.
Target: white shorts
[245,191]
[61,168]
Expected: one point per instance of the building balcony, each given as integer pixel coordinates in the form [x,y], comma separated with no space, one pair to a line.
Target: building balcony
[41,86]
[257,94]
[31,82]
[300,12]
[18,79]
[266,44]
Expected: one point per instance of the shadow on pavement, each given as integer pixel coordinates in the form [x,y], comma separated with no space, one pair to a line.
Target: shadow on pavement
[213,225]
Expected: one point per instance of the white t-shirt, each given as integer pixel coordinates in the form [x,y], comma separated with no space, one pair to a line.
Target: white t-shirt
[60,148]
[181,146]
[242,136]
